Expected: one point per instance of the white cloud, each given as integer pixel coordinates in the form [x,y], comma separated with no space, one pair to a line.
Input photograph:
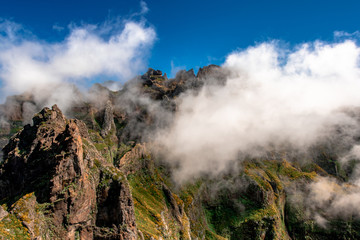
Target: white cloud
[29,64]
[273,97]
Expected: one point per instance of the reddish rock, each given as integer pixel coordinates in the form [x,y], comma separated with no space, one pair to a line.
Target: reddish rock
[56,161]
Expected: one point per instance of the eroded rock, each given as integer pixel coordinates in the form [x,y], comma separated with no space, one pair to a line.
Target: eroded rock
[56,165]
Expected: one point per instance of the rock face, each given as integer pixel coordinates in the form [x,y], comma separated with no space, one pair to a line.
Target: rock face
[53,160]
[108,122]
[116,208]
[17,107]
[3,142]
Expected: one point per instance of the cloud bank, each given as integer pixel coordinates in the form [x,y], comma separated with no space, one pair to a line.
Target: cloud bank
[273,97]
[89,51]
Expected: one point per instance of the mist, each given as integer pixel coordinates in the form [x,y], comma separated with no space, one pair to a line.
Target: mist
[274,98]
[326,199]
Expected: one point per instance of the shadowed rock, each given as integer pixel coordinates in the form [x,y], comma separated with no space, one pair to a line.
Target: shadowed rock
[108,123]
[54,162]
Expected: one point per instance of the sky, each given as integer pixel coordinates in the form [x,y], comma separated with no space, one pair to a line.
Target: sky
[190,34]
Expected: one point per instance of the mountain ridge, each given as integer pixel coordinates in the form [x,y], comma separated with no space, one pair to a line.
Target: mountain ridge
[98,176]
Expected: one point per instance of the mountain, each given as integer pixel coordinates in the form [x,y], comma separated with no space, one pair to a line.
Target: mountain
[95,172]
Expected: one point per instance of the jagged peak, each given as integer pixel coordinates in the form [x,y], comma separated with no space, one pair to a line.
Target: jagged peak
[47,114]
[206,70]
[183,74]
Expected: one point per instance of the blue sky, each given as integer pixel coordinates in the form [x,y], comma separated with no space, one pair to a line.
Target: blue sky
[192,34]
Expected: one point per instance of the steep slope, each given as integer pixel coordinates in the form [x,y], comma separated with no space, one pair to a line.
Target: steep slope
[159,211]
[52,181]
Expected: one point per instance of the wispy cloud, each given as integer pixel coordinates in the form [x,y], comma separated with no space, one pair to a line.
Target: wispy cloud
[341,34]
[58,28]
[175,69]
[144,7]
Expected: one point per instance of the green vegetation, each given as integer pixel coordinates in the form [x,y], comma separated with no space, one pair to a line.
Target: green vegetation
[109,174]
[11,228]
[23,213]
[149,202]
[104,149]
[257,210]
[158,212]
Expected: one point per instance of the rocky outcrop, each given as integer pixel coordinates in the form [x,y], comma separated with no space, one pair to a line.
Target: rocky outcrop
[17,107]
[212,74]
[130,164]
[152,74]
[56,163]
[108,121]
[177,211]
[3,213]
[47,159]
[116,208]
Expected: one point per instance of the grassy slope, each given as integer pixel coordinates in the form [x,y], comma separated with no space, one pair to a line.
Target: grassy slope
[263,202]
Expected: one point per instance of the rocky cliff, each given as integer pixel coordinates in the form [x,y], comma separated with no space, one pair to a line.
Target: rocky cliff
[51,180]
